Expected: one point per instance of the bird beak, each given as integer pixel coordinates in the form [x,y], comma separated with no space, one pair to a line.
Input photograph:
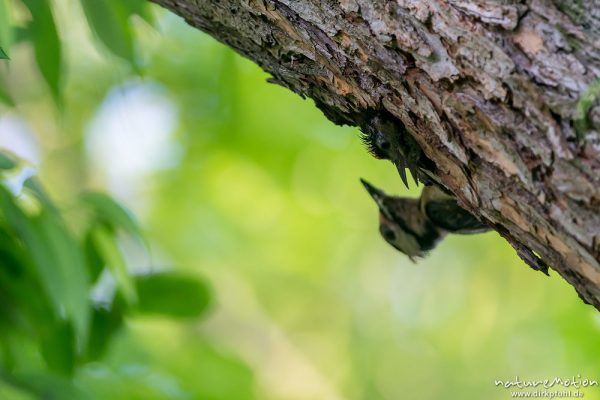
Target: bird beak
[401,167]
[375,193]
[379,196]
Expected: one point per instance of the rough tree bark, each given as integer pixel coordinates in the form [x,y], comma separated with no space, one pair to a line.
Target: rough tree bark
[499,94]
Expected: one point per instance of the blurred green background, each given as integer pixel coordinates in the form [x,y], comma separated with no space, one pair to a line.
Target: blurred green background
[248,187]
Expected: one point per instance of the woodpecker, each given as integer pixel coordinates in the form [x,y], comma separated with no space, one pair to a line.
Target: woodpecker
[416,226]
[387,138]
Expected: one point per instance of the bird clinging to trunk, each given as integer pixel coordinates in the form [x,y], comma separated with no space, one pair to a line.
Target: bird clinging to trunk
[416,226]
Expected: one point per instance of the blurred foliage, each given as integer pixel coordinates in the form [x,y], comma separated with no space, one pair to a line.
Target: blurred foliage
[248,185]
[46,277]
[109,20]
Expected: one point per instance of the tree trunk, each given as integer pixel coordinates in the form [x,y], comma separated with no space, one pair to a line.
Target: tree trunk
[500,96]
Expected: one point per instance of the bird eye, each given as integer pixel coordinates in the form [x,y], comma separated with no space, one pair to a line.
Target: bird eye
[384,145]
[388,234]
[377,143]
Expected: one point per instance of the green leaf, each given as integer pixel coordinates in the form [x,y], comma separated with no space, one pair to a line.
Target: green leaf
[64,260]
[57,259]
[16,302]
[24,305]
[105,324]
[110,22]
[58,348]
[45,386]
[10,262]
[172,294]
[7,161]
[106,244]
[140,8]
[3,55]
[112,213]
[5,28]
[34,187]
[21,34]
[5,97]
[46,43]
[93,257]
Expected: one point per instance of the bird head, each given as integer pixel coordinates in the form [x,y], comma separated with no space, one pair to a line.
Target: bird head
[387,139]
[402,224]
